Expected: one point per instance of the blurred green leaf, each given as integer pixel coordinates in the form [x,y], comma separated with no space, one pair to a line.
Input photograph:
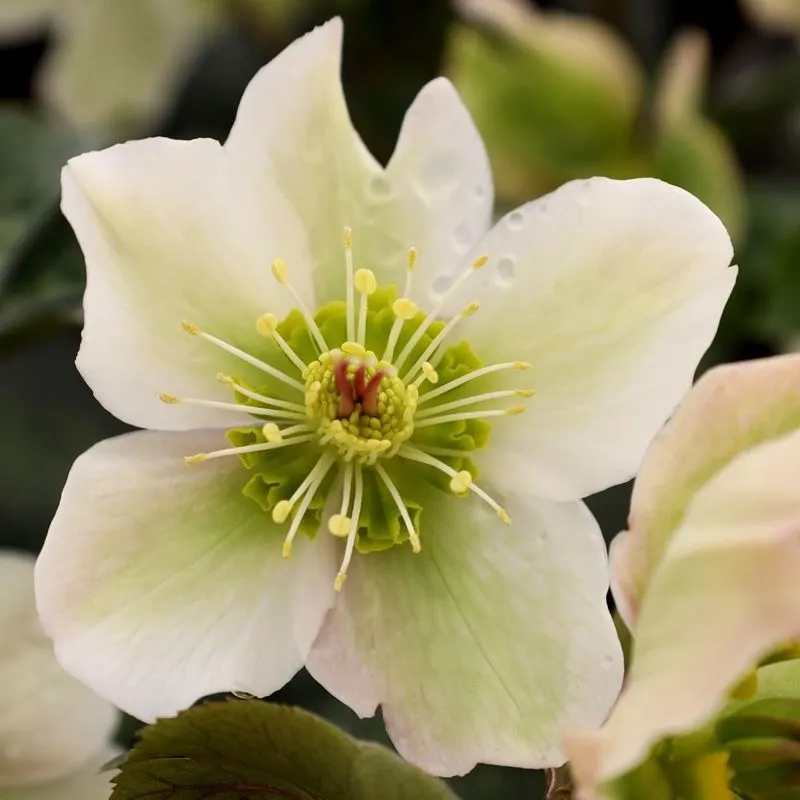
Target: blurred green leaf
[238,750]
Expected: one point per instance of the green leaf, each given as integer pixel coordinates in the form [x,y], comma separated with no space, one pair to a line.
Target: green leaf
[243,749]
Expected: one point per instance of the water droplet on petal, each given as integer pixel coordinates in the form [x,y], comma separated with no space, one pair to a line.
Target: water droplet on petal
[439,173]
[442,284]
[506,269]
[515,221]
[462,236]
[380,188]
[479,192]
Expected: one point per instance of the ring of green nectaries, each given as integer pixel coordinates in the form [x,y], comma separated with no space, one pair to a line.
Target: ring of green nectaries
[392,407]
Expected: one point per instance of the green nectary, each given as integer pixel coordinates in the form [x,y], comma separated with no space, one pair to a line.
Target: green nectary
[277,474]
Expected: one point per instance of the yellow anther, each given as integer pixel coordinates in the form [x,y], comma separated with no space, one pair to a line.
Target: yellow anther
[522,365]
[272,433]
[287,549]
[340,525]
[480,261]
[411,258]
[226,379]
[353,349]
[524,392]
[460,483]
[504,518]
[168,398]
[339,582]
[415,544]
[267,324]
[195,459]
[469,310]
[348,237]
[404,308]
[365,281]
[281,511]
[515,410]
[431,375]
[280,271]
[193,330]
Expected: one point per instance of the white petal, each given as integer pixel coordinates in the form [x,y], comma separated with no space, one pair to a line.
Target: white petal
[613,291]
[87,783]
[725,594]
[435,194]
[116,65]
[161,583]
[170,231]
[50,724]
[21,18]
[487,644]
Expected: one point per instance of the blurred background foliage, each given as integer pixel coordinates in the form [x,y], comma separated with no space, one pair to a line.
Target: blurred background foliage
[701,93]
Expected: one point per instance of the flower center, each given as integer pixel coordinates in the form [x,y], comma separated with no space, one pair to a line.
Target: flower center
[377,419]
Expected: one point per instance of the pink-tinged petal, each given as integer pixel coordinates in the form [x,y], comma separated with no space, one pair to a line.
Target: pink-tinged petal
[725,594]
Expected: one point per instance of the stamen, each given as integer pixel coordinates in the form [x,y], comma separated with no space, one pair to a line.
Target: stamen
[401,506]
[350,297]
[494,412]
[366,285]
[271,432]
[248,448]
[281,273]
[193,330]
[267,326]
[468,311]
[478,398]
[259,398]
[411,262]
[351,539]
[313,481]
[404,309]
[428,374]
[458,479]
[241,409]
[471,376]
[340,524]
[457,284]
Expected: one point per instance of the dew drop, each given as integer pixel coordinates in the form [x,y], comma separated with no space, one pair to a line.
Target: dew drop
[479,192]
[439,173]
[515,221]
[380,188]
[462,236]
[506,268]
[441,285]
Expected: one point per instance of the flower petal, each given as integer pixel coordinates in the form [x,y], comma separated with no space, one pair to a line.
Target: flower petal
[731,409]
[50,724]
[117,64]
[161,583]
[87,783]
[725,594]
[21,18]
[170,231]
[436,193]
[514,619]
[613,291]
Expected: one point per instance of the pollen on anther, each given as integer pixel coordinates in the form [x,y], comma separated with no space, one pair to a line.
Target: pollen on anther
[267,324]
[365,281]
[480,261]
[460,483]
[272,433]
[340,525]
[348,237]
[404,308]
[280,271]
[339,581]
[525,392]
[430,373]
[287,549]
[411,258]
[281,511]
[504,518]
[522,365]
[170,399]
[515,410]
[197,458]
[192,330]
[470,309]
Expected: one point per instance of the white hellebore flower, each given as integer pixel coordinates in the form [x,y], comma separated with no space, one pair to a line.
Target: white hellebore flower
[55,734]
[708,575]
[113,65]
[473,609]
